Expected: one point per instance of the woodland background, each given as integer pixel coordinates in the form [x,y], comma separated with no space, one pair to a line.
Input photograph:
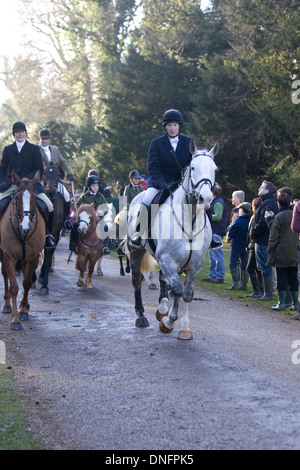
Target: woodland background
[100,74]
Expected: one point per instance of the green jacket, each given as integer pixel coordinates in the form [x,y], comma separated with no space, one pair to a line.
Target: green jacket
[130,193]
[98,200]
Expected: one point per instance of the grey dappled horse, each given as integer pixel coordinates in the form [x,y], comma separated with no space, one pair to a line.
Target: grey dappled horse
[180,238]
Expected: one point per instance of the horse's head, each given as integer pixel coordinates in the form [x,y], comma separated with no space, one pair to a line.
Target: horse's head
[200,176]
[86,218]
[24,201]
[51,177]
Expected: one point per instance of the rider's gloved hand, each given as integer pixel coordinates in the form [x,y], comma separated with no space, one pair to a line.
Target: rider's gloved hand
[163,186]
[70,177]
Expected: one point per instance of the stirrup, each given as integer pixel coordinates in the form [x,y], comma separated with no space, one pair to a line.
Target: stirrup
[136,241]
[68,225]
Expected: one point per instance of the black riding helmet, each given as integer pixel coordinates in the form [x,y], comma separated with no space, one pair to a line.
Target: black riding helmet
[172,115]
[92,180]
[18,126]
[134,174]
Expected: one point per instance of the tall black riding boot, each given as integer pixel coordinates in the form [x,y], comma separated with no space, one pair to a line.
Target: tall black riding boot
[67,221]
[73,237]
[50,241]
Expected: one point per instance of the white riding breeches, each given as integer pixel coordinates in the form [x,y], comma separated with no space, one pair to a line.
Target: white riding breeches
[41,196]
[150,195]
[62,190]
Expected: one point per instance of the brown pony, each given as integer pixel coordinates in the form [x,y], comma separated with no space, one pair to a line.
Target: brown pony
[22,238]
[89,247]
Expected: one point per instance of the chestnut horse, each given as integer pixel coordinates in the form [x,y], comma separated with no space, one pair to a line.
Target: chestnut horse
[22,238]
[89,247]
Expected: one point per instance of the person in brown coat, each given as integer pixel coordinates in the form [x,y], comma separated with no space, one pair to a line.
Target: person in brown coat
[283,251]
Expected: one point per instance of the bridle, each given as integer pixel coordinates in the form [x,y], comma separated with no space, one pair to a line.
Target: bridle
[19,216]
[200,183]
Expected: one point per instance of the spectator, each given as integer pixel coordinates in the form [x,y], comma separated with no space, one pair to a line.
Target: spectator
[254,273]
[260,235]
[295,226]
[237,198]
[237,232]
[216,257]
[283,252]
[120,188]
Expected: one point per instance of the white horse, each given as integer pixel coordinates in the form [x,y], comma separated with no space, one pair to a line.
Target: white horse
[179,240]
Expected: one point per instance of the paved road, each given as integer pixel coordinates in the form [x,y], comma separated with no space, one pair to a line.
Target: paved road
[91,380]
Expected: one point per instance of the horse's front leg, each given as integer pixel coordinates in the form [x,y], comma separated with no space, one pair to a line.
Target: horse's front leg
[7,305]
[162,309]
[91,267]
[136,257]
[81,266]
[27,282]
[169,268]
[185,332]
[13,290]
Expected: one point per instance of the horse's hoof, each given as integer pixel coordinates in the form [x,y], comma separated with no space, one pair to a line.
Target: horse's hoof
[185,334]
[122,273]
[44,291]
[127,269]
[141,322]
[80,282]
[23,316]
[160,316]
[89,286]
[152,286]
[16,326]
[164,329]
[99,273]
[7,309]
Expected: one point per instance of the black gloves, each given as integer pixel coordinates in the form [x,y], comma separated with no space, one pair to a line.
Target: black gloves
[70,177]
[4,185]
[163,186]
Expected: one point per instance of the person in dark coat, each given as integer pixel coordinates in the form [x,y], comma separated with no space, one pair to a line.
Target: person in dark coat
[283,252]
[237,232]
[168,155]
[25,159]
[260,235]
[216,257]
[295,226]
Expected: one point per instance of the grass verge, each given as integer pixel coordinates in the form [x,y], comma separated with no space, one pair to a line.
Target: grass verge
[14,427]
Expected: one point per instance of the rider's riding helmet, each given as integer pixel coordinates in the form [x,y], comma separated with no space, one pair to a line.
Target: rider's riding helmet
[134,174]
[45,134]
[18,126]
[172,115]
[92,180]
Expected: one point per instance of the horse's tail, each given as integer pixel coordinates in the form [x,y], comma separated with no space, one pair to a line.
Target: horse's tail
[148,263]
